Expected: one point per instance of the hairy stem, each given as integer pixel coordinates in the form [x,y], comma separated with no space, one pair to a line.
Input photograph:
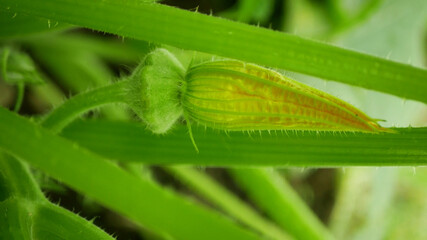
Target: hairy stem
[74,107]
[131,141]
[227,201]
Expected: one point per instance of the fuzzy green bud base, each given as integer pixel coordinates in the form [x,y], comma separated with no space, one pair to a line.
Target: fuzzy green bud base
[155,90]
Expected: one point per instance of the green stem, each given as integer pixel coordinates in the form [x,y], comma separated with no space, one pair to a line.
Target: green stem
[20,87]
[74,107]
[130,141]
[280,202]
[188,30]
[227,201]
[17,26]
[78,69]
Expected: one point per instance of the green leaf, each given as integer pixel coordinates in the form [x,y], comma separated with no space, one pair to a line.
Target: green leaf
[194,31]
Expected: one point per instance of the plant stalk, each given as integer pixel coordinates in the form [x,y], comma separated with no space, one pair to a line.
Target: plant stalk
[81,103]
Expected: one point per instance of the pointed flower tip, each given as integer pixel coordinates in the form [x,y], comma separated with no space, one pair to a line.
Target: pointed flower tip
[233,95]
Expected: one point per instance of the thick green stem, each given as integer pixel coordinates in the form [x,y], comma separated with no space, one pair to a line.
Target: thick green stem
[19,26]
[131,141]
[188,30]
[74,107]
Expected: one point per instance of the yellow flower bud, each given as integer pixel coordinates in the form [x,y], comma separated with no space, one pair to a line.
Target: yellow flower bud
[232,95]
